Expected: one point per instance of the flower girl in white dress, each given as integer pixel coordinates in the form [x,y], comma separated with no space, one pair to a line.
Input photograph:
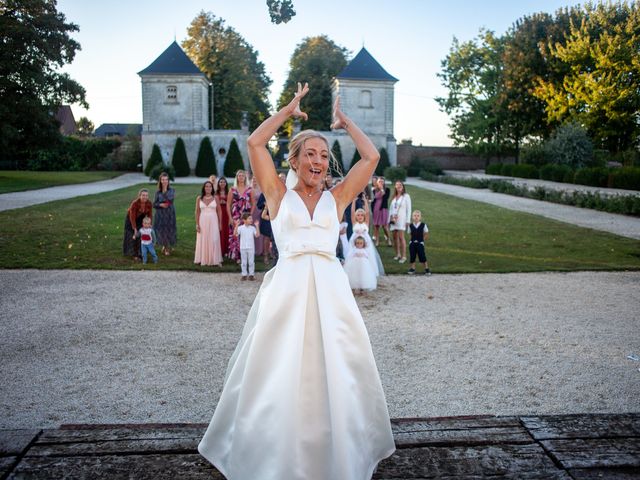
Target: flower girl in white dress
[358,267]
[302,397]
[360,228]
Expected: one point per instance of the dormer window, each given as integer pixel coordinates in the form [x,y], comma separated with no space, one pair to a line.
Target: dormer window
[365,99]
[172,94]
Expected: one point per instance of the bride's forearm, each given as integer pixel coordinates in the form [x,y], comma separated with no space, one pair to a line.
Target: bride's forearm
[267,129]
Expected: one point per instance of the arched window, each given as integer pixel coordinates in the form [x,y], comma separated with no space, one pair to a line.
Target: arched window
[365,99]
[172,94]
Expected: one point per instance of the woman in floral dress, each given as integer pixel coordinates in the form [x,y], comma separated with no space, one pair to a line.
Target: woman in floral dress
[239,200]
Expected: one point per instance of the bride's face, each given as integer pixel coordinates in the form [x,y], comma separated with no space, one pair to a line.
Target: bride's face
[312,162]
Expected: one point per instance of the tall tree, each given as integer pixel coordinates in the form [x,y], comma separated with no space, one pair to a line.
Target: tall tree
[85,127]
[34,45]
[240,82]
[280,11]
[472,73]
[601,89]
[316,60]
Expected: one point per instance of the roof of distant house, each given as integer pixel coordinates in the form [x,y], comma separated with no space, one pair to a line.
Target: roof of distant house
[118,129]
[365,67]
[65,118]
[172,61]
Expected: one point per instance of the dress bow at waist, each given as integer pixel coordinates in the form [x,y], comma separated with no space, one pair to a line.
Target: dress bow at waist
[295,249]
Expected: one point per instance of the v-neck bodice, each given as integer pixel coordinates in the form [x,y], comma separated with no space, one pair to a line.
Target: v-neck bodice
[295,226]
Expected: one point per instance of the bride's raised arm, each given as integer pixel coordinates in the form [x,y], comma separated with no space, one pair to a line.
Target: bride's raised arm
[360,174]
[259,157]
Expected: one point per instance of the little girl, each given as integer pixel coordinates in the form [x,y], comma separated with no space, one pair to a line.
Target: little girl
[361,229]
[358,267]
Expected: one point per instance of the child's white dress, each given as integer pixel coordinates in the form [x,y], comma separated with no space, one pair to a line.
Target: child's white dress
[302,398]
[362,230]
[359,270]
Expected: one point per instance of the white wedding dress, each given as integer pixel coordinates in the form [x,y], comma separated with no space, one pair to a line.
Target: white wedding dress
[302,398]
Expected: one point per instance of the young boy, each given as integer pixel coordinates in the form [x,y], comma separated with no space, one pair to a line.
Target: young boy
[247,232]
[147,239]
[419,233]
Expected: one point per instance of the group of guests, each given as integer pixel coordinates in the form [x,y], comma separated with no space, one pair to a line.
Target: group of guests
[221,212]
[141,233]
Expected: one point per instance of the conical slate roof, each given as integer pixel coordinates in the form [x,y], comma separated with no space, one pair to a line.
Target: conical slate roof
[173,61]
[365,67]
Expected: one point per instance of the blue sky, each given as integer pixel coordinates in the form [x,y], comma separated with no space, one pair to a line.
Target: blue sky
[409,38]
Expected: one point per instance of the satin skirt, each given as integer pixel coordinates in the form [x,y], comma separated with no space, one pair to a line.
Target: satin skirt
[302,398]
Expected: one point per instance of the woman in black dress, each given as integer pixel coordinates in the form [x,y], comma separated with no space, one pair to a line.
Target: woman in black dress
[165,223]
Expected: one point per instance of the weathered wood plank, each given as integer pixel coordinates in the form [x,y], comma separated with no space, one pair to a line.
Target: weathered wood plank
[506,461]
[605,473]
[583,426]
[116,447]
[472,436]
[119,433]
[139,467]
[452,423]
[6,464]
[14,441]
[595,452]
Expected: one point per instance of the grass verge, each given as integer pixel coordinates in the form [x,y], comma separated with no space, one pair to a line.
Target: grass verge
[20,180]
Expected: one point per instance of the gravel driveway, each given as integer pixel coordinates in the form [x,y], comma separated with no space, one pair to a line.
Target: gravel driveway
[129,347]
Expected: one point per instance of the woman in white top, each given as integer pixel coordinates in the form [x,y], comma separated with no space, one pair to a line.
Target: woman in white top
[399,217]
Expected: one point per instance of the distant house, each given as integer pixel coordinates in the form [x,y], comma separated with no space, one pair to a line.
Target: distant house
[64,116]
[118,130]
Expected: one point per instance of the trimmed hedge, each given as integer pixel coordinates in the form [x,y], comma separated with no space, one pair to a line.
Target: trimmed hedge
[179,159]
[354,160]
[625,177]
[384,163]
[234,162]
[158,169]
[594,177]
[73,154]
[154,159]
[206,164]
[336,171]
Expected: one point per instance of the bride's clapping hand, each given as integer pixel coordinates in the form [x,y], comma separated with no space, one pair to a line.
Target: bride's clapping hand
[339,118]
[294,105]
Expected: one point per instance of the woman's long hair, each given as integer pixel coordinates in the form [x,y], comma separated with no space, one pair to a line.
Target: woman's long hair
[204,185]
[163,174]
[395,190]
[226,187]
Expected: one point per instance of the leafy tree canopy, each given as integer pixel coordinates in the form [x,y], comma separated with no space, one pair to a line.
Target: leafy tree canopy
[316,60]
[240,82]
[35,44]
[280,11]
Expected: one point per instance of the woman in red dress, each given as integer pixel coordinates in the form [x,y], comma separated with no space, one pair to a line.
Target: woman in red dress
[222,191]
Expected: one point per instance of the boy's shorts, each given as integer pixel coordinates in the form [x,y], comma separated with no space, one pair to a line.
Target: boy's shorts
[417,249]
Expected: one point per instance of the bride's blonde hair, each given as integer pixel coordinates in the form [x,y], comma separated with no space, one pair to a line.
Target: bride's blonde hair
[297,144]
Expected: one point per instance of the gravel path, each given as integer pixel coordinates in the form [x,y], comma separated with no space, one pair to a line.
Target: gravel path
[127,347]
[622,225]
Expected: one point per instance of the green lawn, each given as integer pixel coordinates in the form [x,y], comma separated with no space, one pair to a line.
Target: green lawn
[19,180]
[466,236]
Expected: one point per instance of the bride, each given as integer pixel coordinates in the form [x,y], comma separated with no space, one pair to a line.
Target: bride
[302,398]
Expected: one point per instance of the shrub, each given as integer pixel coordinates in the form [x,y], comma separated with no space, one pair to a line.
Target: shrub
[625,177]
[413,170]
[73,154]
[354,160]
[154,159]
[206,163]
[234,162]
[158,169]
[432,167]
[179,159]
[524,170]
[383,164]
[546,171]
[394,174]
[570,145]
[493,169]
[594,176]
[428,176]
[507,170]
[533,154]
[336,171]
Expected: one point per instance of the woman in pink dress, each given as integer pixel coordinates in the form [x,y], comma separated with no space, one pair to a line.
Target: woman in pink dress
[239,200]
[208,212]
